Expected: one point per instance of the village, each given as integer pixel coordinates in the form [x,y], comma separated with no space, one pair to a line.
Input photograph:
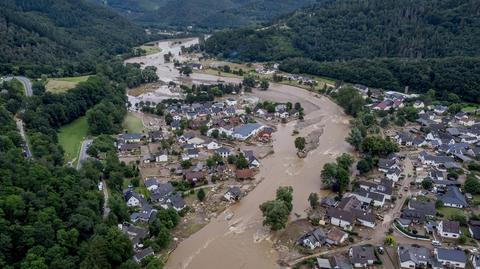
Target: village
[417,210]
[200,158]
[201,155]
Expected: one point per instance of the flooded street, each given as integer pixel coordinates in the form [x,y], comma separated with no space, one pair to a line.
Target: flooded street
[243,242]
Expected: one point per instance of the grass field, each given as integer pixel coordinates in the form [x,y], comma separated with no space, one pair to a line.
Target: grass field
[449,212]
[150,49]
[133,124]
[59,85]
[71,136]
[469,109]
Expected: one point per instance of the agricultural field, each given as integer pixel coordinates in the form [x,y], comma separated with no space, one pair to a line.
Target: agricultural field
[59,85]
[70,137]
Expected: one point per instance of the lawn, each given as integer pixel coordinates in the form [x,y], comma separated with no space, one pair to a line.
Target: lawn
[469,109]
[449,212]
[150,48]
[71,136]
[59,85]
[133,124]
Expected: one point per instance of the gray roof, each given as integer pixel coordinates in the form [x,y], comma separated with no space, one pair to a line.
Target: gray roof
[453,196]
[247,129]
[131,136]
[340,214]
[143,253]
[450,226]
[177,201]
[150,182]
[362,254]
[451,255]
[235,191]
[414,253]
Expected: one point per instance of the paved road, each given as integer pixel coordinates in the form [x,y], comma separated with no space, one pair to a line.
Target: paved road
[106,209]
[83,152]
[28,153]
[27,85]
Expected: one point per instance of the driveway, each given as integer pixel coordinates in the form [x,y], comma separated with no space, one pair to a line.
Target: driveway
[83,152]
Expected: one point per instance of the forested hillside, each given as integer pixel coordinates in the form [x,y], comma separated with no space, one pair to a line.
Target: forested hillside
[364,34]
[204,13]
[60,37]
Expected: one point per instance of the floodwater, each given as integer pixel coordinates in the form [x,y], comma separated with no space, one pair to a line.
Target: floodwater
[243,242]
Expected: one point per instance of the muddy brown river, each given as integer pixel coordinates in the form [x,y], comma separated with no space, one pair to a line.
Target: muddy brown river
[242,242]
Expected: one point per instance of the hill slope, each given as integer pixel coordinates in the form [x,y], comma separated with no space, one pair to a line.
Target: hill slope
[407,32]
[54,36]
[204,13]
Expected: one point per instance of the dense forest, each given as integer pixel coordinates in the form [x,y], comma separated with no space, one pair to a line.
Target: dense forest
[204,14]
[51,215]
[393,39]
[61,37]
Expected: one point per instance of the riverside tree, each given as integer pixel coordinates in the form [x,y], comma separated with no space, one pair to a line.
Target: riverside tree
[275,212]
[300,143]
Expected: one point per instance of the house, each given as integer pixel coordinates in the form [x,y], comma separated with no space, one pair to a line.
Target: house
[418,105]
[418,211]
[176,202]
[133,199]
[148,158]
[151,184]
[252,160]
[394,174]
[384,187]
[196,141]
[155,136]
[453,198]
[364,218]
[384,165]
[362,256]
[161,193]
[451,258]
[247,130]
[144,215]
[475,259]
[212,145]
[129,147]
[368,197]
[162,156]
[142,254]
[231,102]
[223,152]
[131,138]
[349,202]
[194,176]
[135,234]
[439,109]
[192,153]
[449,229]
[413,256]
[436,161]
[336,236]
[244,174]
[323,263]
[341,218]
[328,202]
[474,229]
[313,239]
[233,194]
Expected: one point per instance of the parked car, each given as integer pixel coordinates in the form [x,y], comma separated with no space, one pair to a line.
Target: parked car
[436,243]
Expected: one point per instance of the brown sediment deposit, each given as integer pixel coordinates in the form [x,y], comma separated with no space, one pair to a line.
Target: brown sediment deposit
[240,240]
